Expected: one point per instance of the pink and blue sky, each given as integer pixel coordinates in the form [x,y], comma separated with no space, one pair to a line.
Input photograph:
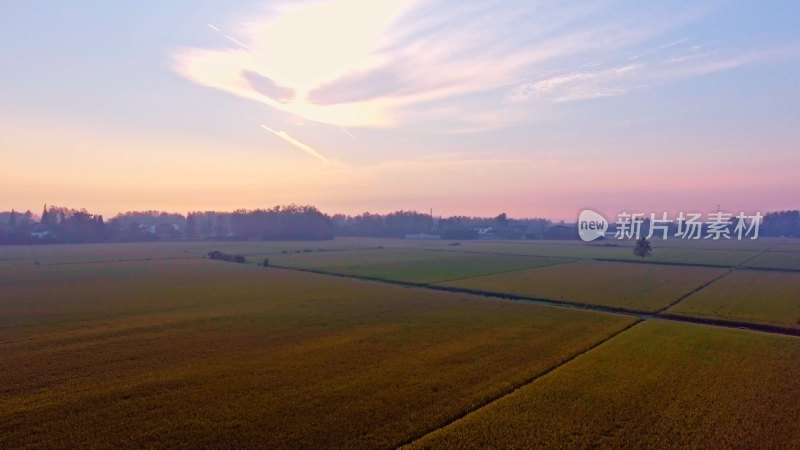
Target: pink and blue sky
[467,107]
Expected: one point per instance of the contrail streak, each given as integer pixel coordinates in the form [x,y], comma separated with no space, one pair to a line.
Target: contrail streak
[228,37]
[346,132]
[306,148]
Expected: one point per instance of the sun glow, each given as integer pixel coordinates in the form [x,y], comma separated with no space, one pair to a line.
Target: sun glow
[302,49]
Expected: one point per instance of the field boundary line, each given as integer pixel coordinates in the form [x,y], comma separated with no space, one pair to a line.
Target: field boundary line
[476,252]
[696,290]
[525,383]
[557,263]
[640,314]
[768,269]
[663,262]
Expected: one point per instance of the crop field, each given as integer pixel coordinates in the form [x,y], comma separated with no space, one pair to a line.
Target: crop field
[154,345]
[777,260]
[749,296]
[656,385]
[610,250]
[727,258]
[26,255]
[418,266]
[250,248]
[642,287]
[170,352]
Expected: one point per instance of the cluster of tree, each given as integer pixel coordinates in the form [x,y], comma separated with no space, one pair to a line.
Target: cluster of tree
[150,219]
[216,254]
[65,225]
[287,222]
[207,224]
[782,223]
[16,227]
[58,224]
[500,227]
[396,224]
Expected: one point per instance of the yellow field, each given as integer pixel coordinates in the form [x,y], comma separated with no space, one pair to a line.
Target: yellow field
[151,345]
[643,287]
[657,385]
[748,296]
[167,353]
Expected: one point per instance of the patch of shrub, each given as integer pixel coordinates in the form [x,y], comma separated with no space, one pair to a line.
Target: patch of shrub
[216,254]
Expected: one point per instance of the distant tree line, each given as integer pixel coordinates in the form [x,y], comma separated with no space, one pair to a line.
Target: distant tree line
[396,224]
[781,223]
[499,227]
[65,225]
[287,222]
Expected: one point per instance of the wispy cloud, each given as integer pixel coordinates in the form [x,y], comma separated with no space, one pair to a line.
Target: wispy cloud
[377,64]
[598,81]
[304,147]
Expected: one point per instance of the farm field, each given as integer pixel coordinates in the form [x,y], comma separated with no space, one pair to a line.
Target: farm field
[165,353]
[789,260]
[418,266]
[152,344]
[26,255]
[724,253]
[567,249]
[641,287]
[727,258]
[656,385]
[250,248]
[749,296]
[70,254]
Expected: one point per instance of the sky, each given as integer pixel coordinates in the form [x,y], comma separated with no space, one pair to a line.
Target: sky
[536,108]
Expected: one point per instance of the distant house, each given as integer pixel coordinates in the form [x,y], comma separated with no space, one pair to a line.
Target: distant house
[486,233]
[422,236]
[39,231]
[46,234]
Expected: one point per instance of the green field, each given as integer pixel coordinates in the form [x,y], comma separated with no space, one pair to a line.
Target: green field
[154,345]
[643,287]
[26,255]
[417,266]
[657,385]
[569,249]
[777,260]
[171,352]
[748,296]
[68,254]
[727,258]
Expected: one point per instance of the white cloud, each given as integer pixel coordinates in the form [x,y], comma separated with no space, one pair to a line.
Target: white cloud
[596,81]
[366,63]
